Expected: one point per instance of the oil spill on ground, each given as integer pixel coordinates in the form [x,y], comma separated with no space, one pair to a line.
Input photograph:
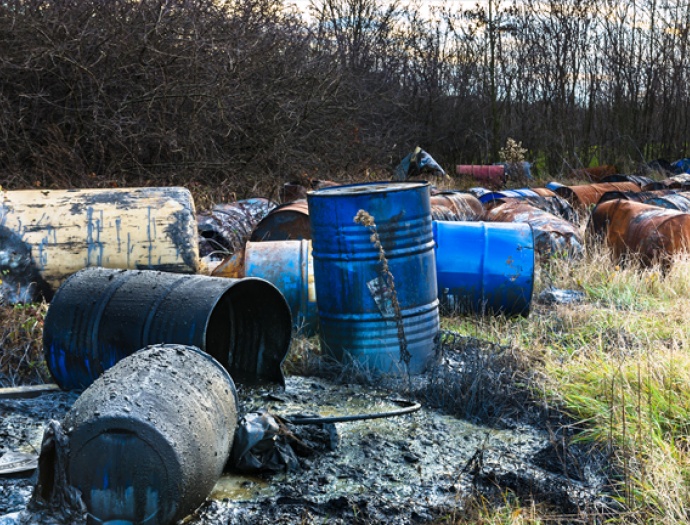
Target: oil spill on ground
[407,469]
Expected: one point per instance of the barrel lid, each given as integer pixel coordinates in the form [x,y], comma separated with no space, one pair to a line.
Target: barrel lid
[369,187]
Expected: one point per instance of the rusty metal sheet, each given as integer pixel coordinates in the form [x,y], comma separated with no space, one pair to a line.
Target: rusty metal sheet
[589,194]
[455,206]
[648,234]
[284,223]
[552,235]
[226,227]
[47,235]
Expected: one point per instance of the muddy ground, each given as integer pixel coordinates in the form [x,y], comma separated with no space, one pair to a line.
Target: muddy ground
[477,434]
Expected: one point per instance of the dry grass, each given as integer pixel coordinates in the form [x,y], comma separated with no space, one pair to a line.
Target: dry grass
[21,355]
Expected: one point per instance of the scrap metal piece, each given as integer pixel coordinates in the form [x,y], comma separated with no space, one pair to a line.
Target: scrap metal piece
[226,227]
[552,235]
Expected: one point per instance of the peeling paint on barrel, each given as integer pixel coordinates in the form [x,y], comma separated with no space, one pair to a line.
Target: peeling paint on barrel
[67,230]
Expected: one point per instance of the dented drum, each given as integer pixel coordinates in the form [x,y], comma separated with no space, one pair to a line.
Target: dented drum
[357,314]
[100,316]
[149,439]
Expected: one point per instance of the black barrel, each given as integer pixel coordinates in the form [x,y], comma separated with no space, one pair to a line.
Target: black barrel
[99,316]
[149,439]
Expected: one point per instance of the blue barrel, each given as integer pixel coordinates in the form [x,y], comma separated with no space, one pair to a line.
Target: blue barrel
[289,266]
[485,267]
[553,185]
[357,320]
[508,194]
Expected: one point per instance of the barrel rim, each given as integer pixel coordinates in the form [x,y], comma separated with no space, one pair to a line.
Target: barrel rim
[349,190]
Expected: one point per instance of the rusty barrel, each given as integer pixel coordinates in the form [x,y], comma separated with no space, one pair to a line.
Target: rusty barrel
[289,266]
[286,222]
[587,195]
[99,316]
[358,317]
[149,439]
[520,193]
[487,268]
[492,175]
[455,206]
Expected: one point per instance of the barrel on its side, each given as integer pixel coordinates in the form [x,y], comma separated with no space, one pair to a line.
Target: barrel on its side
[100,316]
[149,439]
[289,266]
[357,314]
[485,267]
[286,222]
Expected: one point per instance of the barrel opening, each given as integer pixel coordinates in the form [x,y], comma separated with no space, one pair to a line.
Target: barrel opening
[249,331]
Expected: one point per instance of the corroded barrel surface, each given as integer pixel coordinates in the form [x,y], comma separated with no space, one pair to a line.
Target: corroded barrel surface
[149,439]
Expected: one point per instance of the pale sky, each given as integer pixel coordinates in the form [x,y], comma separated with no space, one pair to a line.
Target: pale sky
[304,4]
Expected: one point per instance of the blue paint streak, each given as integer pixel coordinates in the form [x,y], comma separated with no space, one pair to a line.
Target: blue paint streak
[118,224]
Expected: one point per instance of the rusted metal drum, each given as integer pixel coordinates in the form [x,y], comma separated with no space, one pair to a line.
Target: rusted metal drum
[358,318]
[555,205]
[100,316]
[641,196]
[645,233]
[456,206]
[284,223]
[149,439]
[552,235]
[485,267]
[589,194]
[225,229]
[289,266]
[54,233]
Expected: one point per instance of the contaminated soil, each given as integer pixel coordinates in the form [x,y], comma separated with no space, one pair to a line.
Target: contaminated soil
[476,435]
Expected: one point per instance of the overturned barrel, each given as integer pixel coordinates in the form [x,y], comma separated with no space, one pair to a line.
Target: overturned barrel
[149,439]
[99,316]
[47,235]
[485,267]
[288,265]
[286,222]
[365,315]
